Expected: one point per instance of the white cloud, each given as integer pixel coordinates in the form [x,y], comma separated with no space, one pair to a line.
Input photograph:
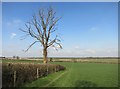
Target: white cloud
[75,51]
[61,53]
[58,46]
[77,47]
[90,51]
[13,35]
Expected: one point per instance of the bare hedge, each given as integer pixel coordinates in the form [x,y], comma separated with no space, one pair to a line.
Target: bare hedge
[17,74]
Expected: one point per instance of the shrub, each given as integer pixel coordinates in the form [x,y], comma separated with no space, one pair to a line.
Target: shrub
[25,72]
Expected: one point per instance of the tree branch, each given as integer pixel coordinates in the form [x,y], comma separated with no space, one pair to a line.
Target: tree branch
[31,46]
[35,23]
[24,37]
[44,25]
[52,41]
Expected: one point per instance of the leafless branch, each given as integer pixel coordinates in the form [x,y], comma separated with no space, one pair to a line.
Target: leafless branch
[41,26]
[23,30]
[31,46]
[55,47]
[24,37]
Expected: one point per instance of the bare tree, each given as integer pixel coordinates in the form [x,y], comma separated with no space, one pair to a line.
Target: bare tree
[41,28]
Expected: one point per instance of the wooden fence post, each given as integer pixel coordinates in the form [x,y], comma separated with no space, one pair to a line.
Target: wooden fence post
[14,78]
[37,73]
[47,69]
[55,68]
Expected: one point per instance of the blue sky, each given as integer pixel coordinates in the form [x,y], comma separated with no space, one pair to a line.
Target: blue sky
[0,29]
[86,29]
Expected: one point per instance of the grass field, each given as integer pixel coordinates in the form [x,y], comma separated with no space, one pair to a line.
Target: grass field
[80,75]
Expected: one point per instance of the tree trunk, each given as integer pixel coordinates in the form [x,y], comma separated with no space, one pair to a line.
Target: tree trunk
[45,60]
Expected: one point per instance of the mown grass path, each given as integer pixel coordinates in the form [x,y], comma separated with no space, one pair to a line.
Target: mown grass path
[55,79]
[80,75]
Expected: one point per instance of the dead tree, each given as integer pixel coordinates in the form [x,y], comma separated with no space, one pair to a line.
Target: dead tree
[41,27]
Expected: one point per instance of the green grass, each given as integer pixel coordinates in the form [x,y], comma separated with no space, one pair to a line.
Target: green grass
[80,75]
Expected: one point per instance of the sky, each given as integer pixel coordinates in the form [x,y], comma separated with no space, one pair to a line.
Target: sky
[86,29]
[1,29]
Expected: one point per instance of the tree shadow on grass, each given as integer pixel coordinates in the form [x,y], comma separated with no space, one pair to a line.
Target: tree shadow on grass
[84,83]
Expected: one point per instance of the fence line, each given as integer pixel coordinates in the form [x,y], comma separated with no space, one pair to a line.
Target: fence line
[17,74]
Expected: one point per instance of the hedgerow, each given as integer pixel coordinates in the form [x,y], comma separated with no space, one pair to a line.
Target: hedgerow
[17,74]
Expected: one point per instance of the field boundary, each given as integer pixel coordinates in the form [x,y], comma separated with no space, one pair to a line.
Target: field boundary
[56,79]
[14,74]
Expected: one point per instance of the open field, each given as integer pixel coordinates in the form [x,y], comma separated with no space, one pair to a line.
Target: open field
[98,73]
[90,60]
[81,75]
